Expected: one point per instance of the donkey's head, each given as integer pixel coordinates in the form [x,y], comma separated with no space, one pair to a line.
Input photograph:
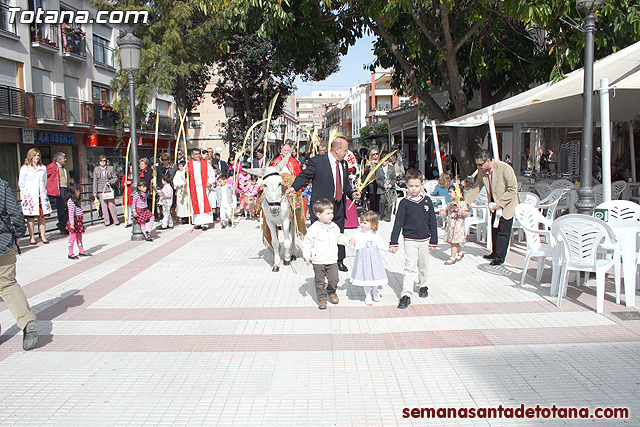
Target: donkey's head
[272,185]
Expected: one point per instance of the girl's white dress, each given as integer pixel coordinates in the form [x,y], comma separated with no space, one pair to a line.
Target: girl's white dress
[368,268]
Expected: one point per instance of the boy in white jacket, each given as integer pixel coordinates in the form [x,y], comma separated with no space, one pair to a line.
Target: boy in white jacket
[321,248]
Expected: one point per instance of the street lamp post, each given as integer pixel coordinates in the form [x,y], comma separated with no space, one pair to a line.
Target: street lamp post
[283,131]
[229,112]
[130,49]
[586,201]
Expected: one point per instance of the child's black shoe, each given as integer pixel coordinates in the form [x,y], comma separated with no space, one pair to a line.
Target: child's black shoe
[404,302]
[424,292]
[72,256]
[85,254]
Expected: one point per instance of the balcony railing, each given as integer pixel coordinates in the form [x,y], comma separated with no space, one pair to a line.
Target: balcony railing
[74,42]
[77,111]
[12,102]
[104,116]
[102,53]
[383,86]
[165,124]
[45,35]
[49,107]
[5,25]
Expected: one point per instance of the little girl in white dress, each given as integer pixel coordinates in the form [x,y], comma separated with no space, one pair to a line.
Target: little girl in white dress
[368,269]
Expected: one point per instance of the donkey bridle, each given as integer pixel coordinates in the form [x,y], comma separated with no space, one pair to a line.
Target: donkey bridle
[281,198]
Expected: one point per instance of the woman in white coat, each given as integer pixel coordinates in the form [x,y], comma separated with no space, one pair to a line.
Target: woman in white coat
[33,192]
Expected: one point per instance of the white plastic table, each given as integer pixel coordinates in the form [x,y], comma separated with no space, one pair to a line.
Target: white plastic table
[626,232]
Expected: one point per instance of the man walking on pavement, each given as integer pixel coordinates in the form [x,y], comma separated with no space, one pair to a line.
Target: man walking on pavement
[57,178]
[11,229]
[502,192]
[330,176]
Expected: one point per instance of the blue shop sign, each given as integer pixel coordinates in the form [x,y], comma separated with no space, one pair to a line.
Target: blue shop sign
[54,138]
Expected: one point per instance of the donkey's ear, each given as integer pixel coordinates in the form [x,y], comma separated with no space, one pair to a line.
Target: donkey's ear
[256,171]
[282,163]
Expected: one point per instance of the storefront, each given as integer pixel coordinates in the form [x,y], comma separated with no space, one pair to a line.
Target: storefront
[115,150]
[49,143]
[9,155]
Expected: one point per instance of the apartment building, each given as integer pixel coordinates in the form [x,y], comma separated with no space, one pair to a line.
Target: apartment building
[55,93]
[310,112]
[364,105]
[205,122]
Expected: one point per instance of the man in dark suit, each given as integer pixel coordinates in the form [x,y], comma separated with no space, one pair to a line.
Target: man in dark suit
[219,164]
[327,170]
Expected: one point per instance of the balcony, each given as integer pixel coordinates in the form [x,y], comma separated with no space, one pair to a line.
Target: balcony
[103,55]
[45,37]
[7,28]
[13,105]
[165,124]
[49,109]
[74,44]
[104,116]
[78,113]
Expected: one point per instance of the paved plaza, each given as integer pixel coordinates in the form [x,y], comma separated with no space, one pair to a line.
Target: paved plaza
[194,329]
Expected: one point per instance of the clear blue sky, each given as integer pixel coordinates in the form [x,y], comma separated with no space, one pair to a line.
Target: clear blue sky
[351,72]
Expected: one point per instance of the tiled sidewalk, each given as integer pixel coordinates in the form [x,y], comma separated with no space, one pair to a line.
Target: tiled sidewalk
[195,329]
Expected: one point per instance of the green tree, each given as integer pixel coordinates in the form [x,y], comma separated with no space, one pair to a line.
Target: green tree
[484,49]
[179,41]
[249,76]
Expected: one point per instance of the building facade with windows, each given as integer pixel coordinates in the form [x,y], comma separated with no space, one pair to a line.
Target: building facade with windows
[310,113]
[55,93]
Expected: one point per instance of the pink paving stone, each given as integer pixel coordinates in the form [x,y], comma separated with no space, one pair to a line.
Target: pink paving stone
[63,309]
[62,275]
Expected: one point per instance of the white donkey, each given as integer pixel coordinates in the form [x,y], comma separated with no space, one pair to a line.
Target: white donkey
[276,211]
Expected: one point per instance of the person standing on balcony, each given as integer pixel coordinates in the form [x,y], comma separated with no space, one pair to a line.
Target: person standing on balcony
[33,189]
[57,179]
[104,181]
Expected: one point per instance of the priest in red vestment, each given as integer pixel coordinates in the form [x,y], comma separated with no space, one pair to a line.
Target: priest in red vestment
[293,165]
[201,178]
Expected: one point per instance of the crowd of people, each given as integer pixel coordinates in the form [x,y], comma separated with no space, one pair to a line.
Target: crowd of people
[205,190]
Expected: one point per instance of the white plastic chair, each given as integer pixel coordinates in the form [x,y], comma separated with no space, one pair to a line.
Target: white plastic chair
[597,194]
[563,184]
[568,201]
[530,219]
[529,198]
[543,189]
[429,186]
[478,216]
[580,236]
[617,188]
[549,204]
[621,210]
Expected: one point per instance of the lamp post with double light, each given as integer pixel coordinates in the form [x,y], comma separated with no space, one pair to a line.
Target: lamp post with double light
[229,113]
[586,200]
[130,50]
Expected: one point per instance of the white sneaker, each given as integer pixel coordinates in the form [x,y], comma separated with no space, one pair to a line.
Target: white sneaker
[375,296]
[368,300]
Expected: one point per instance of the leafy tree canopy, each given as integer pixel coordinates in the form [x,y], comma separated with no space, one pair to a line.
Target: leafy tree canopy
[479,49]
[179,41]
[249,76]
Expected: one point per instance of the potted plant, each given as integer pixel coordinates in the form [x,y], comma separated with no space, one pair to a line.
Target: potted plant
[45,40]
[106,107]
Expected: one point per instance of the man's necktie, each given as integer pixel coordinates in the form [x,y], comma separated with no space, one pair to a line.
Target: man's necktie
[338,182]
